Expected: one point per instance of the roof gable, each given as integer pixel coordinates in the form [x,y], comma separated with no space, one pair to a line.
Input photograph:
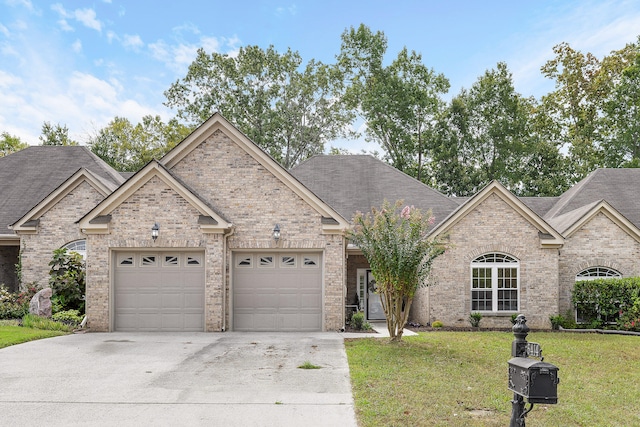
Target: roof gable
[30,175]
[98,219]
[548,236]
[334,222]
[582,216]
[28,223]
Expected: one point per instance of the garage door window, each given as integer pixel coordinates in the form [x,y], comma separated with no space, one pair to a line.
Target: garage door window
[170,261]
[126,261]
[266,261]
[244,262]
[194,261]
[149,261]
[310,261]
[288,261]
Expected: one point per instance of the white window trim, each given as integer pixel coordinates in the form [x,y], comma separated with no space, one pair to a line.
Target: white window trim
[494,266]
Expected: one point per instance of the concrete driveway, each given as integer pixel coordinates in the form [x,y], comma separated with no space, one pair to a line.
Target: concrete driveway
[216,379]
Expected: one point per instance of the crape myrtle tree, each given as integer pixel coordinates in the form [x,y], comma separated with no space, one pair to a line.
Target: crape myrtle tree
[395,242]
[10,144]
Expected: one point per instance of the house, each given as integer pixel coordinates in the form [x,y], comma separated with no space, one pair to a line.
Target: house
[45,189]
[217,236]
[507,254]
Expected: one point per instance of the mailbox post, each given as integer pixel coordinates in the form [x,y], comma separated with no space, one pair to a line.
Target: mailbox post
[533,379]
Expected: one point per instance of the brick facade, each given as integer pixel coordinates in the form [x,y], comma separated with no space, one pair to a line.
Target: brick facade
[56,228]
[493,226]
[242,191]
[598,243]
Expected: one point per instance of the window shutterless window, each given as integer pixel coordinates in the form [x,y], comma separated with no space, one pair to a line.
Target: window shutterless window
[495,279]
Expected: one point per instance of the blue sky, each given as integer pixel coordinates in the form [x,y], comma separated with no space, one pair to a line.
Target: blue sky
[81,63]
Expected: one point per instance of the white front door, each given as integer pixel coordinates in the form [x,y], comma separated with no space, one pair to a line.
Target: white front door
[374,305]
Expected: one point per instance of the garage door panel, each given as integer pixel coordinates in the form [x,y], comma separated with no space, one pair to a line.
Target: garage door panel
[159,297]
[282,296]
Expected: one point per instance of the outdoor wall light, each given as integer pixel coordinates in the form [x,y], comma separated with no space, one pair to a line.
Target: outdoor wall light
[155,230]
[276,233]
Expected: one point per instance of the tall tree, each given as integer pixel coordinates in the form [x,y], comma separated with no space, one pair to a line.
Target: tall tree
[10,144]
[484,136]
[399,102]
[127,148]
[622,147]
[55,135]
[288,109]
[583,85]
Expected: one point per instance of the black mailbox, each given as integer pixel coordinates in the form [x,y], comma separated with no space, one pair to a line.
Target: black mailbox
[534,380]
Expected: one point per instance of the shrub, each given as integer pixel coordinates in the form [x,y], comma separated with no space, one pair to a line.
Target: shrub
[15,305]
[437,324]
[37,322]
[605,301]
[67,280]
[630,318]
[357,320]
[474,319]
[514,316]
[70,317]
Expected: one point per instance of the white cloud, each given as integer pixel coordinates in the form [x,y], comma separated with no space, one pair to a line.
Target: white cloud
[24,3]
[4,30]
[88,18]
[132,42]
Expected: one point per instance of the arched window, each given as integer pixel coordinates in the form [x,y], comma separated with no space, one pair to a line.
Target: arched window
[79,246]
[495,280]
[587,311]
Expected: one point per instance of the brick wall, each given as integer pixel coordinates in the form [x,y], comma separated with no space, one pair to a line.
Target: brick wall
[598,243]
[57,227]
[493,226]
[242,191]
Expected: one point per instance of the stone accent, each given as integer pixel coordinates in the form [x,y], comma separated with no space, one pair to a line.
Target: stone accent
[493,226]
[57,227]
[598,243]
[40,303]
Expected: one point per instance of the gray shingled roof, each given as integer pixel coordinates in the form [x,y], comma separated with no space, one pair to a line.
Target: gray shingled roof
[351,183]
[619,187]
[540,205]
[30,175]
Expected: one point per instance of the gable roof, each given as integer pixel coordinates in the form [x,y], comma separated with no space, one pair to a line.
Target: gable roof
[30,175]
[29,221]
[332,220]
[549,237]
[619,187]
[352,183]
[97,220]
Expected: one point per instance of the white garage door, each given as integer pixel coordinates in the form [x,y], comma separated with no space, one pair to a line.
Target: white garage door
[159,291]
[277,292]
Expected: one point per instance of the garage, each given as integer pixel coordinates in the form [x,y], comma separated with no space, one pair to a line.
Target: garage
[159,291]
[277,291]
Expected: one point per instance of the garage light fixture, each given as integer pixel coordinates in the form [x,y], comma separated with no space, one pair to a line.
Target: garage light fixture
[155,230]
[276,233]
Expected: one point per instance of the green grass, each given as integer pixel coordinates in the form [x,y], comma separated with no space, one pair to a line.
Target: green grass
[460,379]
[11,334]
[309,365]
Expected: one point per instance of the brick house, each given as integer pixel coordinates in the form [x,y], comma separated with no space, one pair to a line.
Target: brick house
[217,236]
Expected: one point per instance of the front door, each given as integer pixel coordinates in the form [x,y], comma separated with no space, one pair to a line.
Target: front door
[374,305]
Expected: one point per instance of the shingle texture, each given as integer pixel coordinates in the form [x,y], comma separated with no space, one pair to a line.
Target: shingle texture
[352,183]
[28,176]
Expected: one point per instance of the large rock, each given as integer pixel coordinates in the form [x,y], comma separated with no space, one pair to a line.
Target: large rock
[40,304]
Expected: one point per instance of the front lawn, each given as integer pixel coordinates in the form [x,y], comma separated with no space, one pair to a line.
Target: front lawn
[10,335]
[460,379]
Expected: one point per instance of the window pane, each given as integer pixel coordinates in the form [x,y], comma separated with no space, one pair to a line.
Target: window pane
[481,300]
[481,278]
[507,278]
[508,300]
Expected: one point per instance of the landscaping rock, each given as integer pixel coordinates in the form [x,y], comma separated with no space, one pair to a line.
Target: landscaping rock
[40,304]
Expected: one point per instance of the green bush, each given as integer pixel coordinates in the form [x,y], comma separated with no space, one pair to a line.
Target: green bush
[37,322]
[15,305]
[607,301]
[437,324]
[474,319]
[357,322]
[70,317]
[67,280]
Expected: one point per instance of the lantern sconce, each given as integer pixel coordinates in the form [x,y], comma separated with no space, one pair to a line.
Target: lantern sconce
[276,233]
[155,230]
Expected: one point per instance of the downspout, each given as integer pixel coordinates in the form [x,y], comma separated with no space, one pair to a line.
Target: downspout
[224,276]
